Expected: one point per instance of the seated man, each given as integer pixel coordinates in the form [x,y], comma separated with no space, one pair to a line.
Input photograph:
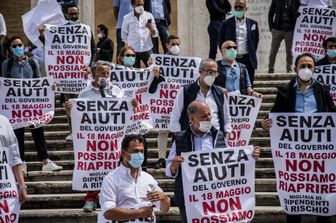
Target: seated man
[128,192]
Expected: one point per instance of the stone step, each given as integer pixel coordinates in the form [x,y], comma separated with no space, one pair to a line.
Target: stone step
[167,185]
[274,76]
[267,83]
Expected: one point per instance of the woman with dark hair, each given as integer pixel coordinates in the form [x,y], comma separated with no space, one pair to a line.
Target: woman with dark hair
[105,45]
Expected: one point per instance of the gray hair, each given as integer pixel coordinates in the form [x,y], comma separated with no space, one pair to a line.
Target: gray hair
[100,63]
[204,62]
[193,107]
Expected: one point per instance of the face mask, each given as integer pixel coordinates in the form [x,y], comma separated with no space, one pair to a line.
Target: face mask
[18,51]
[238,14]
[129,61]
[209,80]
[204,126]
[231,54]
[305,74]
[175,49]
[103,82]
[136,159]
[331,53]
[139,9]
[99,35]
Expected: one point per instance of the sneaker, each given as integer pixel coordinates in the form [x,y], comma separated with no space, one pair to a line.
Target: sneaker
[51,166]
[270,71]
[69,137]
[89,206]
[160,164]
[24,167]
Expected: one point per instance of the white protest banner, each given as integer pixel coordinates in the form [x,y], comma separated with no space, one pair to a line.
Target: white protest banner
[67,53]
[46,12]
[218,185]
[101,219]
[312,27]
[98,127]
[244,111]
[135,85]
[9,197]
[304,156]
[27,102]
[177,71]
[327,75]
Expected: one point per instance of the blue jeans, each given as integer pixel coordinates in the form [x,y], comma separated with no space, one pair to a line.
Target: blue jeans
[163,33]
[120,43]
[213,30]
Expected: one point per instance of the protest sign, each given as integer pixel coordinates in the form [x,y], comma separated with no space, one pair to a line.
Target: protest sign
[27,102]
[177,71]
[9,197]
[327,75]
[218,185]
[68,52]
[98,127]
[135,85]
[46,12]
[312,27]
[244,111]
[303,149]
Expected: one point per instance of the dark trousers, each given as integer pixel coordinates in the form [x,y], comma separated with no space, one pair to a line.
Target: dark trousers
[213,31]
[142,56]
[39,141]
[120,43]
[319,219]
[183,213]
[163,33]
[245,59]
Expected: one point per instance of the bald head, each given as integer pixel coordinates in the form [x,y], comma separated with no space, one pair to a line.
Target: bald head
[196,106]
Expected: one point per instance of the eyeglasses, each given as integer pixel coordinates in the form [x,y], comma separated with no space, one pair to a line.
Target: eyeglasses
[211,73]
[129,55]
[238,7]
[331,47]
[72,14]
[229,47]
[17,45]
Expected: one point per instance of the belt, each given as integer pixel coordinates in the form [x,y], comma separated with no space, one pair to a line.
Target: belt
[241,55]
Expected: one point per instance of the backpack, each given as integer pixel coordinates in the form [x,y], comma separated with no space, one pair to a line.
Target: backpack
[10,65]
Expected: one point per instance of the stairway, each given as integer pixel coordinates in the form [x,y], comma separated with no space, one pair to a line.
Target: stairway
[51,199]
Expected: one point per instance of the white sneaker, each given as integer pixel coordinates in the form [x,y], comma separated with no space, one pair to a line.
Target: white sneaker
[24,167]
[69,137]
[51,166]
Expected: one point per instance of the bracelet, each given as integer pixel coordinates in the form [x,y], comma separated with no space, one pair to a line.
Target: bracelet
[22,187]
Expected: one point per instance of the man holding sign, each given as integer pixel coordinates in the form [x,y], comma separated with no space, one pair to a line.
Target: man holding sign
[200,135]
[303,95]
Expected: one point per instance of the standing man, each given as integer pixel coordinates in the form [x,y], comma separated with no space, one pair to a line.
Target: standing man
[200,135]
[218,10]
[243,31]
[302,94]
[120,9]
[160,10]
[137,31]
[105,44]
[129,193]
[330,47]
[233,76]
[281,21]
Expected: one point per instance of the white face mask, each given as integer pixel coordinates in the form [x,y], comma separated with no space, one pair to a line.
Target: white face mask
[139,9]
[305,74]
[175,49]
[209,80]
[99,35]
[204,126]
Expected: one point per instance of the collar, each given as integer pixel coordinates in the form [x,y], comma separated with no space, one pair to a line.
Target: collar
[235,64]
[240,21]
[296,82]
[125,171]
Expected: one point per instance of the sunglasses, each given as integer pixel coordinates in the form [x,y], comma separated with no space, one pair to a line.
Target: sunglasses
[229,47]
[129,55]
[331,46]
[17,45]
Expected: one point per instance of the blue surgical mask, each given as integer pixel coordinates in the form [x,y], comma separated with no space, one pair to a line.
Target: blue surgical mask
[231,54]
[331,53]
[18,51]
[129,61]
[136,159]
[238,14]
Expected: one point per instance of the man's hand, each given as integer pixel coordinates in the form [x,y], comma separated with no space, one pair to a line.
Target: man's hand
[22,194]
[256,94]
[176,162]
[266,123]
[134,103]
[41,30]
[156,72]
[146,212]
[226,93]
[155,196]
[256,152]
[150,27]
[68,106]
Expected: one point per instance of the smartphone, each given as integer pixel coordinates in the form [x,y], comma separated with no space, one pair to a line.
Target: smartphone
[149,21]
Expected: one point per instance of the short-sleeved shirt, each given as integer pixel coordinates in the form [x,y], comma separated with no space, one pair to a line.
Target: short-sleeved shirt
[125,7]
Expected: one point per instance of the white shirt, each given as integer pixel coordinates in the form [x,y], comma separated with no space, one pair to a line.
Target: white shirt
[121,190]
[201,143]
[210,100]
[135,33]
[317,3]
[111,91]
[3,30]
[241,36]
[8,142]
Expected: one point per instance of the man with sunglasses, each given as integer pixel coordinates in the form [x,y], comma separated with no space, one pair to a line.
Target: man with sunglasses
[233,76]
[245,33]
[330,47]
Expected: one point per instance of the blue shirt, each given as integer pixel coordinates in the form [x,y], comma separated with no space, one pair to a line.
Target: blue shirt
[125,7]
[305,103]
[157,9]
[233,77]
